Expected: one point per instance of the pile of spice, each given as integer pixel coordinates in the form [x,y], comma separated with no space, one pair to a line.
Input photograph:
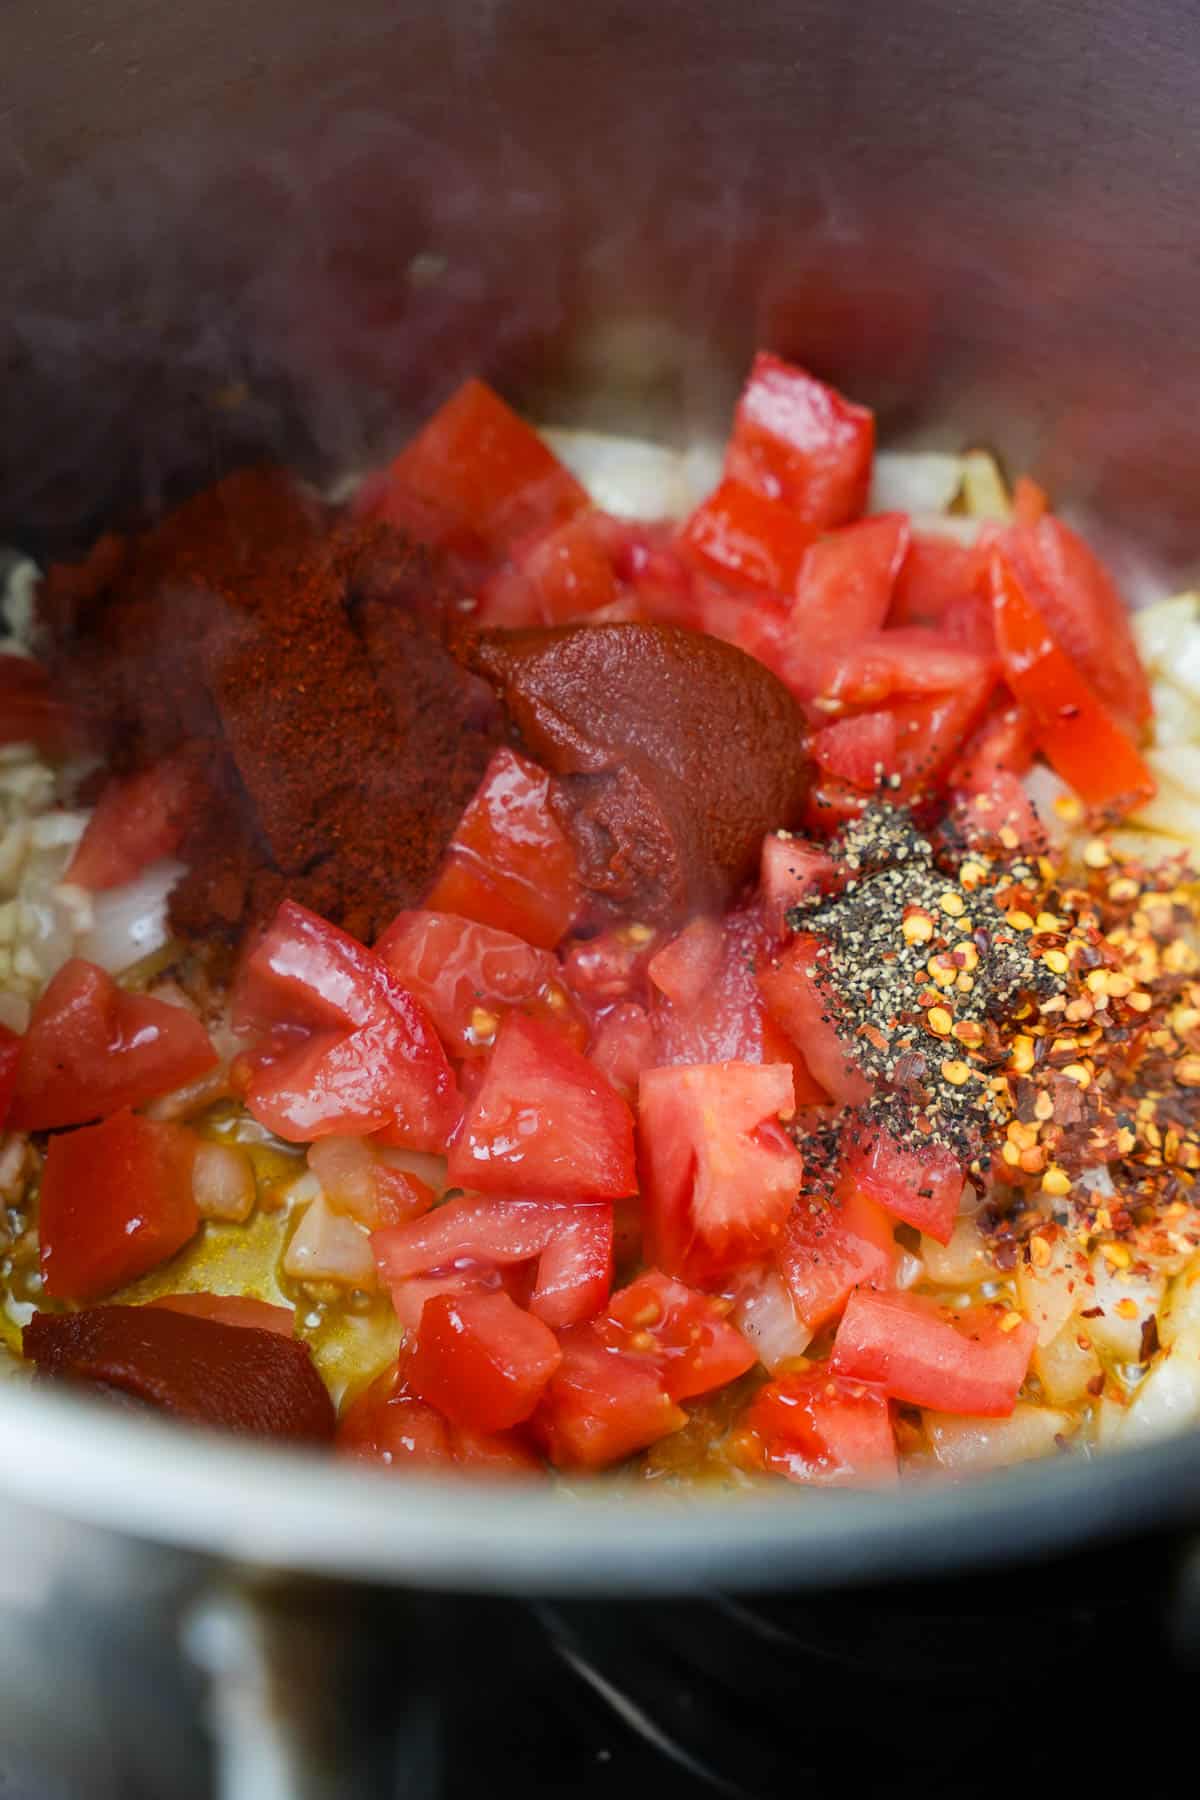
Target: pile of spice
[1041,1019]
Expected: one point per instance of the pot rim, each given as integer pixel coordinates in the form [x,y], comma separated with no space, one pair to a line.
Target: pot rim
[146,1478]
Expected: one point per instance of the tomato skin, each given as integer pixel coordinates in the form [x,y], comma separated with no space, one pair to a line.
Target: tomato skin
[718,1174]
[821,1430]
[458,968]
[572,1245]
[555,576]
[609,967]
[920,1183]
[116,1200]
[1082,740]
[509,865]
[908,1345]
[685,1334]
[897,664]
[233,1309]
[92,1049]
[10,1056]
[794,998]
[482,1361]
[388,1425]
[484,475]
[860,750]
[829,1249]
[1075,595]
[935,576]
[602,1405]
[138,820]
[741,533]
[370,1060]
[796,440]
[545,1122]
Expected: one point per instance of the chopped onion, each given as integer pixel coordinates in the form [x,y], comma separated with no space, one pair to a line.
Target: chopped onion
[1065,1366]
[1111,1291]
[984,491]
[955,526]
[1049,1294]
[1168,1399]
[764,1314]
[327,1246]
[635,479]
[1173,812]
[909,1270]
[968,1444]
[963,1262]
[1162,630]
[1044,788]
[130,921]
[223,1184]
[1176,715]
[1182,1308]
[914,481]
[423,1164]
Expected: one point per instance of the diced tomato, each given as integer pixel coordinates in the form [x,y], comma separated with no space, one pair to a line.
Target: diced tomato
[555,576]
[647,561]
[509,864]
[741,533]
[917,1351]
[795,998]
[832,804]
[481,1360]
[792,870]
[1082,740]
[30,713]
[685,1334]
[936,575]
[380,1069]
[387,1424]
[462,972]
[796,440]
[138,819]
[116,1200]
[623,1044]
[842,595]
[821,1430]
[1003,744]
[572,1245]
[686,967]
[545,1121]
[411,1295]
[729,1022]
[897,664]
[482,473]
[999,814]
[91,1049]
[1070,588]
[831,1247]
[930,730]
[602,1405]
[860,750]
[10,1056]
[719,1175]
[919,1182]
[233,1309]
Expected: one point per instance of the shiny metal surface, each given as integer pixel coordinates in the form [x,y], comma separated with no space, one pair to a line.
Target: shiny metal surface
[252,227]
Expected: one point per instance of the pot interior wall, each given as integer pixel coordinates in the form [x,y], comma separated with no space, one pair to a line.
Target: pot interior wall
[262,228]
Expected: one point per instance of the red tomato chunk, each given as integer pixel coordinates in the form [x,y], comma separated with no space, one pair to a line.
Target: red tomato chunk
[10,1056]
[796,440]
[797,1000]
[918,1182]
[829,1248]
[138,819]
[544,1122]
[509,864]
[602,1405]
[389,1426]
[685,1334]
[461,972]
[481,1360]
[821,1430]
[116,1200]
[719,1175]
[915,1350]
[92,1049]
[746,536]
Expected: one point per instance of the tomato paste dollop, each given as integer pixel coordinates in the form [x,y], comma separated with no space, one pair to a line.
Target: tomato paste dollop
[675,753]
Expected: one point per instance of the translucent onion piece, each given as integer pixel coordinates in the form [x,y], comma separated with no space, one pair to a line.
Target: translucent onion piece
[969,1444]
[328,1246]
[764,1314]
[131,921]
[223,1184]
[1168,1400]
[914,481]
[632,478]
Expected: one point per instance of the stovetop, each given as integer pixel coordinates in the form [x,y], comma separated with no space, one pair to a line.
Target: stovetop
[934,1690]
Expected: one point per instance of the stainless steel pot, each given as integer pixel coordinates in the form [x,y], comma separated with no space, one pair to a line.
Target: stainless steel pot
[254,227]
